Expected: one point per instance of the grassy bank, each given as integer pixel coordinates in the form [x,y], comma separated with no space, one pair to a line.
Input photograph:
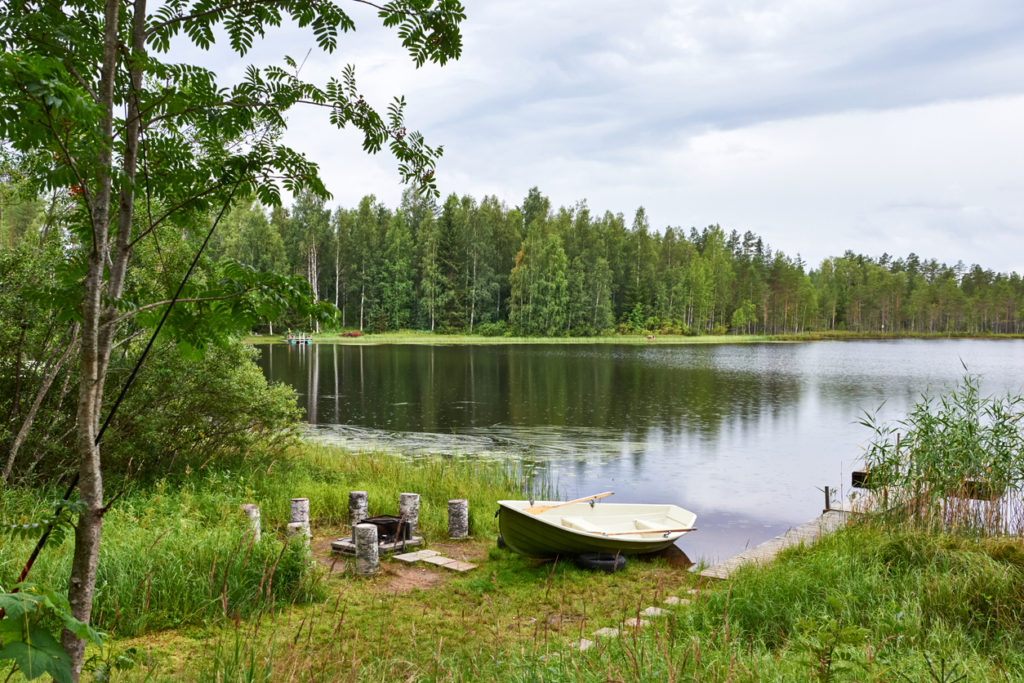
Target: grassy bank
[177,551]
[185,594]
[415,337]
[868,603]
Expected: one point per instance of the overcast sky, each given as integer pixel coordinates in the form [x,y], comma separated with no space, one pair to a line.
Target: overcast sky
[872,125]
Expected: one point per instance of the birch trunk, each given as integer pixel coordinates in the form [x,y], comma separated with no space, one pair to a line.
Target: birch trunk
[97,337]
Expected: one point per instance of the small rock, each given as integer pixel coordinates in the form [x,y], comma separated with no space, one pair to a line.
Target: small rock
[607,632]
[636,623]
[653,612]
[584,645]
[673,600]
[694,591]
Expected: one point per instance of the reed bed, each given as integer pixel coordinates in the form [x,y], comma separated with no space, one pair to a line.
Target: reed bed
[954,464]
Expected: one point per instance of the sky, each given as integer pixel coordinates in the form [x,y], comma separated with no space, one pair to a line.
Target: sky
[878,126]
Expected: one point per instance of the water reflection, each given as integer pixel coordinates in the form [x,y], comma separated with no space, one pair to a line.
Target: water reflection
[744,435]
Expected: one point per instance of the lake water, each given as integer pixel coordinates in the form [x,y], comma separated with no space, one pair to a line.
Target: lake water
[745,435]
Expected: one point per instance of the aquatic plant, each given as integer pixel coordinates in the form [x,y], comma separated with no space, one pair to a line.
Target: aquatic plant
[950,449]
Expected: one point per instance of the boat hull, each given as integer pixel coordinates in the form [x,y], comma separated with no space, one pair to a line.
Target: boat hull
[546,535]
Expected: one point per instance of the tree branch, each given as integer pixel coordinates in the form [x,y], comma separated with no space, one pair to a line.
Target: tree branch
[158,304]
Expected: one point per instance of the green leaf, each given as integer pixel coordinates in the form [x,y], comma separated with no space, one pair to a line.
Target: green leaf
[15,605]
[39,654]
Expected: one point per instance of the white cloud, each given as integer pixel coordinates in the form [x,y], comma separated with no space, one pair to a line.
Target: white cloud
[875,125]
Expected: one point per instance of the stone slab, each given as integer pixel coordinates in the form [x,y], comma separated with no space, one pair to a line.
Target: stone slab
[636,623]
[416,556]
[459,566]
[584,645]
[439,560]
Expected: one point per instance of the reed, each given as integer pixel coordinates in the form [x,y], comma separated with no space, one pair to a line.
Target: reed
[932,465]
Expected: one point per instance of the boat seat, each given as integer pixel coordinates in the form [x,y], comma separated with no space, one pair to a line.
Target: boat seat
[645,525]
[580,524]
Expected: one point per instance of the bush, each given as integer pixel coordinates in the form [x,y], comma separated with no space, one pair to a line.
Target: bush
[494,329]
[182,412]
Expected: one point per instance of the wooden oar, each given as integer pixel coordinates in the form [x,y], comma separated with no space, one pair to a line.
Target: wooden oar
[543,508]
[648,531]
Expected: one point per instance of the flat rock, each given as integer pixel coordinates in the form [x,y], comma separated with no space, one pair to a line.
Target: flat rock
[694,591]
[673,600]
[459,566]
[439,560]
[607,632]
[416,556]
[653,612]
[584,645]
[636,623]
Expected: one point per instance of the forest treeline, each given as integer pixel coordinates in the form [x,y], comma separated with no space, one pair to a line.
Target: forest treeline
[483,267]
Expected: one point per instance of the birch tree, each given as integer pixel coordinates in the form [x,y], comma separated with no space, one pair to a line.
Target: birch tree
[91,101]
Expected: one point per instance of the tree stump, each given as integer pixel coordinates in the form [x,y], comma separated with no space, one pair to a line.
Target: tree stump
[300,510]
[300,529]
[252,512]
[409,509]
[458,518]
[367,560]
[358,509]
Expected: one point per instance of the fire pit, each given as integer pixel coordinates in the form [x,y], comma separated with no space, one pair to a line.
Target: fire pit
[390,529]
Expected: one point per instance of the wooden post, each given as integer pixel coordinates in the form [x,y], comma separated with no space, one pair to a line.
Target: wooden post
[409,509]
[367,560]
[358,507]
[828,499]
[252,512]
[458,518]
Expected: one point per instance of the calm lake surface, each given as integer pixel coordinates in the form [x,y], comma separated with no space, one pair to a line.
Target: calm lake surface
[745,435]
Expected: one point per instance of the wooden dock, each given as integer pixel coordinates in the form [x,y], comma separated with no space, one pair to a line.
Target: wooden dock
[806,533]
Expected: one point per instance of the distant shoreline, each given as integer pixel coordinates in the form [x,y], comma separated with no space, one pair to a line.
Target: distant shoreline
[428,338]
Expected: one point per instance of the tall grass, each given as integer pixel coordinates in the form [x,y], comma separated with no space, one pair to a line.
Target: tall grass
[326,474]
[948,450]
[178,551]
[168,558]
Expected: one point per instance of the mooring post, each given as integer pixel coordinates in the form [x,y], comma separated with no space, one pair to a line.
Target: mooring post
[367,560]
[252,512]
[458,518]
[828,499]
[409,509]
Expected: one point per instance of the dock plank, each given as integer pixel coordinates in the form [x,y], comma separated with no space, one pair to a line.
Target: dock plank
[764,553]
